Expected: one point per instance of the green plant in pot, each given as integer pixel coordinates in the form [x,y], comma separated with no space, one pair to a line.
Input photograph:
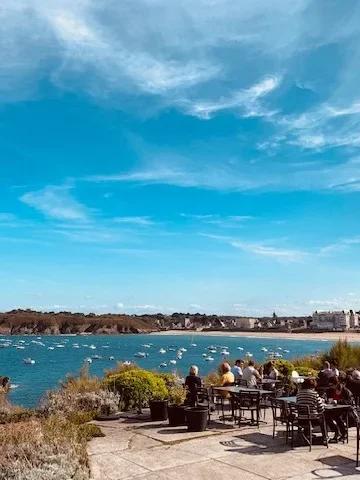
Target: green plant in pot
[176,408]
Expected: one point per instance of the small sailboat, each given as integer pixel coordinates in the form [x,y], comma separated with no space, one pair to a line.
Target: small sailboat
[111,358]
[140,355]
[173,362]
[163,365]
[29,361]
[264,349]
[162,350]
[209,359]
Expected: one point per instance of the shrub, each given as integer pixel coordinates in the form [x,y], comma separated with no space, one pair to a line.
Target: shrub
[177,395]
[170,379]
[82,383]
[311,362]
[67,403]
[306,371]
[284,367]
[212,378]
[43,450]
[137,387]
[344,355]
[120,368]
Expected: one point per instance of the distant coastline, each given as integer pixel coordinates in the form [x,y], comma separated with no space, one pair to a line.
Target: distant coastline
[328,336]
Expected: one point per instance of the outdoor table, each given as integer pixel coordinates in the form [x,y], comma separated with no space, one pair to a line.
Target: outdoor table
[268,381]
[235,390]
[242,389]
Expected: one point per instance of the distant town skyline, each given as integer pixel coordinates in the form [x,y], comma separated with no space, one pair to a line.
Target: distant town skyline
[202,157]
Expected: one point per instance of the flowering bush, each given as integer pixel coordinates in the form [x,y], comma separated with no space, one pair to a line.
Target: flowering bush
[68,402]
[137,387]
[43,450]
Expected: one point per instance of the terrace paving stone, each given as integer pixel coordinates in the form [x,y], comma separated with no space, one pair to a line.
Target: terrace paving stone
[135,448]
[160,458]
[110,466]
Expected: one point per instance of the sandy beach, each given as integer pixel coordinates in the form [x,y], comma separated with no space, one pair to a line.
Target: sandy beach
[328,336]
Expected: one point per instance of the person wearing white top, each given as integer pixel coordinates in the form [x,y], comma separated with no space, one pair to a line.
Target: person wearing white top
[250,374]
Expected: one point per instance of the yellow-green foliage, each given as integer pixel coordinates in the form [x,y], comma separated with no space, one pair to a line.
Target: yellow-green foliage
[312,363]
[136,387]
[177,394]
[212,378]
[120,368]
[344,355]
[284,367]
[306,371]
[82,383]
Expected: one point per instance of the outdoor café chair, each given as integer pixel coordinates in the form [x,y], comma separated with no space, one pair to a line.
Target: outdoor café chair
[281,414]
[204,399]
[306,421]
[248,402]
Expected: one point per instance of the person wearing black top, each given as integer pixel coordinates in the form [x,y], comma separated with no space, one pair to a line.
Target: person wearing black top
[192,383]
[325,375]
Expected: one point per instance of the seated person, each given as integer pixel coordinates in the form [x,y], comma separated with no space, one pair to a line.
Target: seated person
[325,375]
[227,377]
[337,419]
[353,382]
[192,383]
[238,369]
[308,396]
[270,371]
[250,374]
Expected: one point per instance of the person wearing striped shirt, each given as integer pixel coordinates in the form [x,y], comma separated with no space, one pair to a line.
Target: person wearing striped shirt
[308,396]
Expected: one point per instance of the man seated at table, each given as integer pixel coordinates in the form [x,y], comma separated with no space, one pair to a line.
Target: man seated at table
[238,369]
[251,375]
[307,396]
[325,375]
[337,419]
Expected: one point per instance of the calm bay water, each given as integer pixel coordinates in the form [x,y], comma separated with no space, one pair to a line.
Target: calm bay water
[52,365]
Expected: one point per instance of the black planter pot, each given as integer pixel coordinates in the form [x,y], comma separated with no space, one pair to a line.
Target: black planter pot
[196,418]
[158,410]
[176,415]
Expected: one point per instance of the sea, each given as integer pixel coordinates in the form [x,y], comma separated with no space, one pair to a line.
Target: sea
[52,358]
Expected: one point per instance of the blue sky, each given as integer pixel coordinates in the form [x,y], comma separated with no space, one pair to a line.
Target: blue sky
[180,156]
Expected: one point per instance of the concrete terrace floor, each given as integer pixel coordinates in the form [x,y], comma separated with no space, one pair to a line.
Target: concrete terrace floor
[135,448]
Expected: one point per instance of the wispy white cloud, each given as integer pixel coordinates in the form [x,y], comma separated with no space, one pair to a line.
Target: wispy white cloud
[245,102]
[262,249]
[56,202]
[225,221]
[136,220]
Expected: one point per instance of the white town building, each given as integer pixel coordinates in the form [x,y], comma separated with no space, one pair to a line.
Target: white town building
[337,320]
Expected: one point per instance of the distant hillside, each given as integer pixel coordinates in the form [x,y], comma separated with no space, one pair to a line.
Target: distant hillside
[29,322]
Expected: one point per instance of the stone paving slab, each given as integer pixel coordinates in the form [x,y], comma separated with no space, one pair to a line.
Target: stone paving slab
[135,448]
[209,469]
